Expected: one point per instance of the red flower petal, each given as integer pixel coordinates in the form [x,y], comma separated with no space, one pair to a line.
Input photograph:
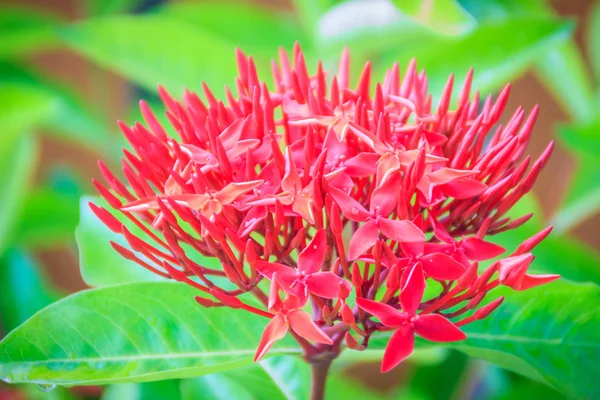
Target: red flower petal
[283,271]
[478,250]
[310,260]
[362,240]
[401,230]
[275,330]
[412,292]
[388,315]
[351,208]
[362,165]
[530,281]
[442,267]
[436,328]
[445,175]
[464,188]
[232,191]
[400,346]
[385,197]
[325,284]
[302,323]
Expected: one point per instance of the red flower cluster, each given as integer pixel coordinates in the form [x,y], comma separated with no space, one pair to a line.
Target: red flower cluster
[317,193]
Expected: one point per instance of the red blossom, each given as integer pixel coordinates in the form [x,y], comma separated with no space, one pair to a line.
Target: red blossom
[314,189]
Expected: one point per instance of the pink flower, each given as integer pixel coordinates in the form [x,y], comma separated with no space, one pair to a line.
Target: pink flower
[432,327]
[316,189]
[288,315]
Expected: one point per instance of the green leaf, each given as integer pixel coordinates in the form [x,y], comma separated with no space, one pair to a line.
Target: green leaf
[310,11]
[134,332]
[58,109]
[558,253]
[23,290]
[552,329]
[490,10]
[583,200]
[48,218]
[23,107]
[150,50]
[593,38]
[498,51]
[447,17]
[108,7]
[99,263]
[17,163]
[564,73]
[248,26]
[280,377]
[376,21]
[28,29]
[549,333]
[583,140]
[562,70]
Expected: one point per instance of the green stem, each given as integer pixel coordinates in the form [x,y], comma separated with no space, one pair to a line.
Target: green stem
[320,370]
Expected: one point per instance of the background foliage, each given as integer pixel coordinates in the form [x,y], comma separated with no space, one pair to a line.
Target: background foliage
[539,344]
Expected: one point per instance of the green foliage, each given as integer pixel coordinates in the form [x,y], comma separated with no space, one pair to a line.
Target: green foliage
[524,40]
[447,17]
[131,333]
[100,264]
[146,330]
[17,161]
[558,253]
[28,30]
[23,289]
[252,28]
[548,334]
[150,50]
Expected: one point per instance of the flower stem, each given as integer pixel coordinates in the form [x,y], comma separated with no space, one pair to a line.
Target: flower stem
[320,370]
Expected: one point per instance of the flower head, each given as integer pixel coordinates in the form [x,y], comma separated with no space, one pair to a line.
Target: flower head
[314,189]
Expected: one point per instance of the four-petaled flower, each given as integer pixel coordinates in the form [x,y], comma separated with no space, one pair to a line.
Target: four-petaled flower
[406,323]
[383,201]
[288,315]
[307,278]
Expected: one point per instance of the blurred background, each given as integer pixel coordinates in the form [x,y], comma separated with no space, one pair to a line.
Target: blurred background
[70,68]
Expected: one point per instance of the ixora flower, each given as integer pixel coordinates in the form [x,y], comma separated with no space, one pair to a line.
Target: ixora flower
[335,206]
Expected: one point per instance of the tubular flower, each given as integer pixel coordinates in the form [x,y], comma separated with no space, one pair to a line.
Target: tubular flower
[313,189]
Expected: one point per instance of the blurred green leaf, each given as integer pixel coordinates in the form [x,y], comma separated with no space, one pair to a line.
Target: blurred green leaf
[150,50]
[250,27]
[66,115]
[23,107]
[447,376]
[555,335]
[108,7]
[563,72]
[48,218]
[557,254]
[447,17]
[583,140]
[310,11]
[593,39]
[491,10]
[276,378]
[584,193]
[25,30]
[23,289]
[17,163]
[132,333]
[359,24]
[498,51]
[547,333]
[562,69]
[99,263]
